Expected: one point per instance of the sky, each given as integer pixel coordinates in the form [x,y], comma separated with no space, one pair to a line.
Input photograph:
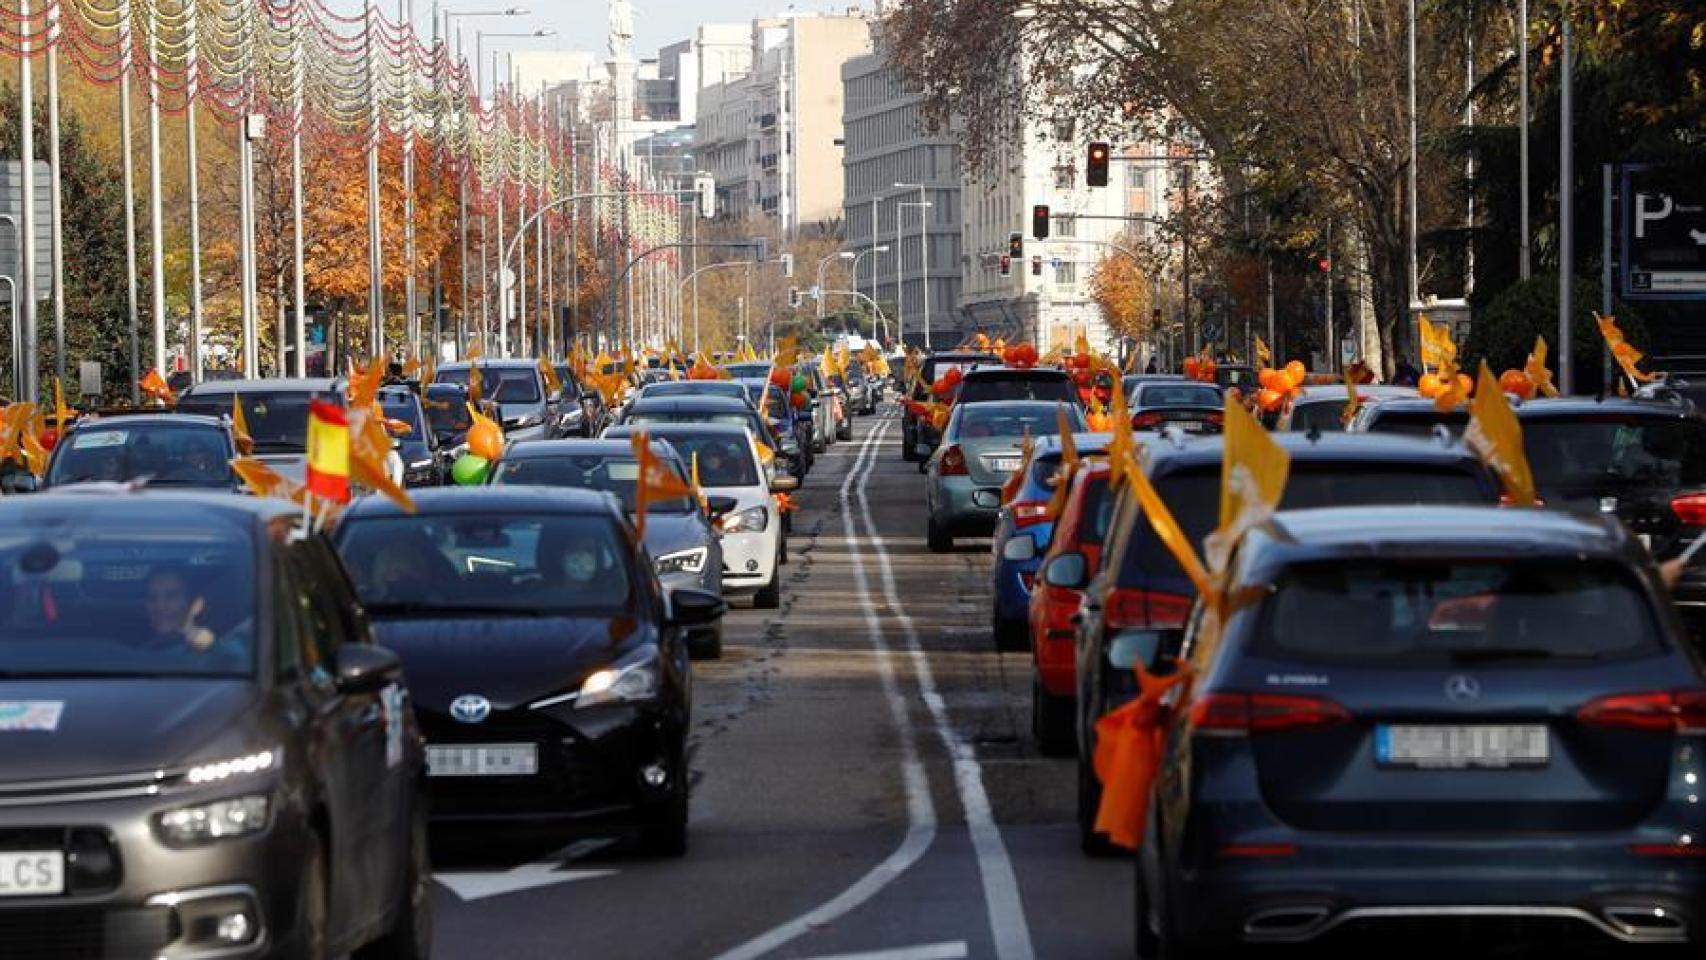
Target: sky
[581,24]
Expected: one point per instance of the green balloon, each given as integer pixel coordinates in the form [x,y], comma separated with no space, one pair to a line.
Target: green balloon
[799,384]
[469,470]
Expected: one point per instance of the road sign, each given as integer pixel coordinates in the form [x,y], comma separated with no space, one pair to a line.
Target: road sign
[89,378]
[11,188]
[1664,235]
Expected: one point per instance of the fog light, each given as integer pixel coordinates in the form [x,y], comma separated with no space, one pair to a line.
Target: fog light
[752,566]
[655,775]
[234,928]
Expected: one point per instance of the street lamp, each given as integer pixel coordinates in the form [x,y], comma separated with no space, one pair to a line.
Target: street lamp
[876,248]
[503,293]
[450,17]
[843,255]
[479,43]
[923,253]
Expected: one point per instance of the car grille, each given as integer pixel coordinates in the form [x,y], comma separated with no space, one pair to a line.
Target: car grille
[85,933]
[72,790]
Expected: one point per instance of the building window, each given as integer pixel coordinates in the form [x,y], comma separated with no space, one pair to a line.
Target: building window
[1064,176]
[1065,273]
[1066,226]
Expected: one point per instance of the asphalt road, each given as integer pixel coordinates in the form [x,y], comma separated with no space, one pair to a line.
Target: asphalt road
[865,782]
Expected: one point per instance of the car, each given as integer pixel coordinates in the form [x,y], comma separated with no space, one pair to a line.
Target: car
[789,458]
[1190,406]
[1322,407]
[748,369]
[1642,460]
[1239,375]
[980,450]
[754,540]
[446,406]
[207,755]
[275,410]
[1022,530]
[1081,529]
[426,463]
[1409,416]
[695,388]
[593,415]
[548,664]
[820,401]
[530,410]
[1140,585]
[681,537]
[931,369]
[1497,732]
[785,421]
[861,390]
[1131,380]
[161,449]
[984,384]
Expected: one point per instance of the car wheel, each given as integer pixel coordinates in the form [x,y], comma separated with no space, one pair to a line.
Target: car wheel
[1089,800]
[769,596]
[1012,636]
[844,431]
[311,930]
[1051,722]
[938,539]
[410,936]
[908,443]
[706,644]
[664,833]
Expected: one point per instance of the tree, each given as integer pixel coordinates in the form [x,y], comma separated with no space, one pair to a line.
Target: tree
[1123,293]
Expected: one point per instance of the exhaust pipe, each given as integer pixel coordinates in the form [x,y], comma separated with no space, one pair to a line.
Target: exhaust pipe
[1285,923]
[1647,923]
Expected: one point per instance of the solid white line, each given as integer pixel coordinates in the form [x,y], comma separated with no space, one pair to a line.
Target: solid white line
[1007,924]
[955,950]
[920,810]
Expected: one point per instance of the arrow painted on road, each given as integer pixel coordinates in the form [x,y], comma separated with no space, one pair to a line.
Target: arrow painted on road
[470,886]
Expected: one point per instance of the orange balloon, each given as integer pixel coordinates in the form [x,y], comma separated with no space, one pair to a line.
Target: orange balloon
[486,439]
[1516,383]
[1294,375]
[1465,385]
[1191,368]
[1269,378]
[1429,385]
[1269,400]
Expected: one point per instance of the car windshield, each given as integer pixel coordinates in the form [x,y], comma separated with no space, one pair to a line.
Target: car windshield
[277,421]
[166,591]
[997,420]
[448,414]
[1418,423]
[1456,612]
[502,384]
[700,388]
[407,412]
[1615,451]
[526,564]
[1194,497]
[169,455]
[936,369]
[724,460]
[982,389]
[1163,395]
[612,474]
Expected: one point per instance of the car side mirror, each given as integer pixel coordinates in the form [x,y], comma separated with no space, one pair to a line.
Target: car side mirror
[555,397]
[1150,649]
[721,506]
[694,608]
[365,668]
[1020,547]
[22,482]
[784,483]
[1069,571]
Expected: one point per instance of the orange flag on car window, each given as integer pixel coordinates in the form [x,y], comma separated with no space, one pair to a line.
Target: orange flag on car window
[240,427]
[1068,464]
[1495,434]
[153,384]
[1016,481]
[328,452]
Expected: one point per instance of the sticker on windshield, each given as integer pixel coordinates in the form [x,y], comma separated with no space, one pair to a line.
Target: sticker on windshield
[391,703]
[96,439]
[16,715]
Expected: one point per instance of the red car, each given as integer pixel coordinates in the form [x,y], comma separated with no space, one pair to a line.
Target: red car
[1082,526]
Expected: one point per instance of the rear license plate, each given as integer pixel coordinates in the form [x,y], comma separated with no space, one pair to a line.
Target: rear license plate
[1189,426]
[483,760]
[1462,747]
[1005,464]
[32,873]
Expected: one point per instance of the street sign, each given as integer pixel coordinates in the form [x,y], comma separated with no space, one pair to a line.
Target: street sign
[1664,235]
[11,189]
[89,378]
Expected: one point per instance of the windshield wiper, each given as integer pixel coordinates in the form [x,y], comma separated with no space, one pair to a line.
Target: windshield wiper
[1473,655]
[419,609]
[280,446]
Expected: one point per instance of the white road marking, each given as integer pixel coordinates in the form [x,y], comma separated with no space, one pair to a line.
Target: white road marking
[920,810]
[479,886]
[954,950]
[1000,886]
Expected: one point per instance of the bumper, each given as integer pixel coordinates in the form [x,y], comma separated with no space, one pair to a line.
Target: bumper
[749,559]
[962,507]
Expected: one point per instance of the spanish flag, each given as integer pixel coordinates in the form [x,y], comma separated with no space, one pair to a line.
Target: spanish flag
[328,452]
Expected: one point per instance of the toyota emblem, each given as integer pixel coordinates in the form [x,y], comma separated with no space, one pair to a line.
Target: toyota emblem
[1462,689]
[470,708]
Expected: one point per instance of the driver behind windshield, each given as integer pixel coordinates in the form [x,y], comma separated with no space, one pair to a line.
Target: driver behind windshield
[581,561]
[173,613]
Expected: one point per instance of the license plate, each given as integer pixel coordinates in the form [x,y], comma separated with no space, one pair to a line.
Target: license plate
[32,873]
[1442,747]
[483,760]
[1005,464]
[1189,426]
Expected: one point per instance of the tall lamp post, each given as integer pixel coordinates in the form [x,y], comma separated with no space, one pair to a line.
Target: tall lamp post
[854,269]
[480,37]
[818,290]
[923,248]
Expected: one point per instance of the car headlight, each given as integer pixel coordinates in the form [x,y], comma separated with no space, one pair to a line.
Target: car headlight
[420,464]
[222,770]
[522,423]
[683,561]
[619,685]
[750,520]
[218,820]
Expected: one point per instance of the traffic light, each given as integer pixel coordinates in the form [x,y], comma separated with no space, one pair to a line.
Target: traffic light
[1325,264]
[788,265]
[706,187]
[794,297]
[1006,265]
[1015,245]
[1036,266]
[1097,172]
[1039,221]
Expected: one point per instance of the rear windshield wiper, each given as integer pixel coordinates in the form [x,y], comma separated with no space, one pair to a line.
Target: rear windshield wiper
[1471,655]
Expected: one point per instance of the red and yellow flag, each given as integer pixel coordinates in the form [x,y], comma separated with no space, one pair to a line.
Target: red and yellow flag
[328,452]
[653,482]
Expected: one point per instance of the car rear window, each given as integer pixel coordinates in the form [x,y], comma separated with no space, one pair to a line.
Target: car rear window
[935,369]
[169,455]
[1176,395]
[1418,423]
[1602,451]
[1194,497]
[503,384]
[723,461]
[1320,415]
[1469,612]
[1018,387]
[610,474]
[998,420]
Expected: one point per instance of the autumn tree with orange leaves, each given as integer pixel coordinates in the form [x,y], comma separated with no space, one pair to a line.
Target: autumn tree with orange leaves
[1124,293]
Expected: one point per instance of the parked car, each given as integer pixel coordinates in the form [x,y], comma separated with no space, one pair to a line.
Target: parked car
[1322,407]
[206,754]
[1081,529]
[161,449]
[1189,406]
[931,369]
[980,449]
[754,541]
[426,463]
[1140,585]
[530,410]
[1022,531]
[548,664]
[681,537]
[275,409]
[1496,731]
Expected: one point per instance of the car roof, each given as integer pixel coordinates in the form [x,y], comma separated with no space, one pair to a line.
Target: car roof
[1322,447]
[149,419]
[1562,407]
[1412,404]
[267,385]
[504,499]
[1382,392]
[679,428]
[576,447]
[132,500]
[492,364]
[692,401]
[1409,530]
[1015,373]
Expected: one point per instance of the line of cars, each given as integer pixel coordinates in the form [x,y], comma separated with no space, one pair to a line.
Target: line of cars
[1428,709]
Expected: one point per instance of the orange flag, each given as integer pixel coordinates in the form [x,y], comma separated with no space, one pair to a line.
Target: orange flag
[1495,435]
[1129,741]
[654,481]
[240,427]
[1016,481]
[1068,465]
[153,384]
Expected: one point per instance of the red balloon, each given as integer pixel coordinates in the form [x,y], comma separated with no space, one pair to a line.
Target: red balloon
[798,400]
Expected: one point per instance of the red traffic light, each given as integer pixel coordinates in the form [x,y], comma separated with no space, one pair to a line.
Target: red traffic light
[1325,264]
[1097,173]
[1006,265]
[1039,221]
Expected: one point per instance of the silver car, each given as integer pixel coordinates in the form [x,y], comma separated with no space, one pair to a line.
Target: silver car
[276,411]
[684,544]
[981,447]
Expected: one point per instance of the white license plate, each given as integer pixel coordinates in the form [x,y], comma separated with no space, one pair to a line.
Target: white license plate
[1190,426]
[32,873]
[1005,464]
[1455,747]
[483,760]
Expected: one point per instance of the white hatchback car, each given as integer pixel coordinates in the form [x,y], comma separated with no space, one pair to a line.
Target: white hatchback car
[729,466]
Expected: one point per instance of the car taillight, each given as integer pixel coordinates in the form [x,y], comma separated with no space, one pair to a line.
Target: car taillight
[1145,420]
[1216,420]
[1681,711]
[1668,850]
[1029,580]
[1028,513]
[1143,608]
[1236,713]
[1506,501]
[1690,509]
[954,462]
